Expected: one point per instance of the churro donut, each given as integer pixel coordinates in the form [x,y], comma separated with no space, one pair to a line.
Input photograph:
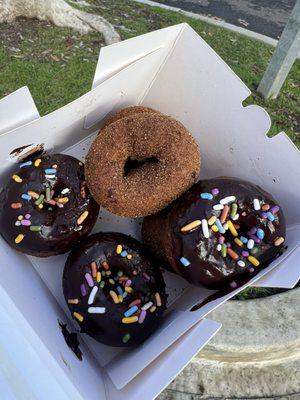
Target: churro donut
[126,112]
[114,289]
[46,207]
[219,233]
[140,163]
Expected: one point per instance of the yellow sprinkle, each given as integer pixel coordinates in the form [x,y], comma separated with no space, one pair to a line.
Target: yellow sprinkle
[114,296]
[19,238]
[214,228]
[78,316]
[37,162]
[157,299]
[120,297]
[119,249]
[191,226]
[232,228]
[212,220]
[20,217]
[152,309]
[41,205]
[98,276]
[130,320]
[82,217]
[238,242]
[63,200]
[129,256]
[17,179]
[73,301]
[54,166]
[278,241]
[128,289]
[253,261]
[225,226]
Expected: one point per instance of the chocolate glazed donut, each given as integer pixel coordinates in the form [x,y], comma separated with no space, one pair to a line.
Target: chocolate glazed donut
[219,233]
[114,289]
[140,163]
[46,207]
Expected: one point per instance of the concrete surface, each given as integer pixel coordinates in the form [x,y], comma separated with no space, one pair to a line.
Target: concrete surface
[256,354]
[267,17]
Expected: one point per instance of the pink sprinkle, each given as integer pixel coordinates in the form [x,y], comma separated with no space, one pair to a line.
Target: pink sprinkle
[221,239]
[60,205]
[253,230]
[27,216]
[274,209]
[128,282]
[245,253]
[228,244]
[146,276]
[233,284]
[52,193]
[25,222]
[215,191]
[83,289]
[255,238]
[142,316]
[89,279]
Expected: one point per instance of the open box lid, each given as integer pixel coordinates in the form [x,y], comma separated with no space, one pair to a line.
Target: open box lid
[142,71]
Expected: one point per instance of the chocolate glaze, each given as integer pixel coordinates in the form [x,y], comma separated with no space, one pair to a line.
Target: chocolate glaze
[71,339]
[207,266]
[108,328]
[59,228]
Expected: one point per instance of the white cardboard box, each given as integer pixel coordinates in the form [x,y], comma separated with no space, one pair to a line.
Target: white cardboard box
[176,72]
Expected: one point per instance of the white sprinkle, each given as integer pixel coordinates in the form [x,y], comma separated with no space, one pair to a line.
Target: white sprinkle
[205,230]
[50,176]
[92,295]
[147,306]
[65,191]
[241,263]
[256,204]
[237,216]
[227,200]
[250,244]
[18,223]
[219,247]
[96,310]
[218,207]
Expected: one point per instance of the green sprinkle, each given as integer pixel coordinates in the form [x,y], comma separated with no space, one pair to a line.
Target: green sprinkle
[224,250]
[254,250]
[39,200]
[48,194]
[233,210]
[102,283]
[35,228]
[120,273]
[126,337]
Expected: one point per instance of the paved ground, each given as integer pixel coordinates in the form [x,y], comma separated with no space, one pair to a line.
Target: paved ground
[263,16]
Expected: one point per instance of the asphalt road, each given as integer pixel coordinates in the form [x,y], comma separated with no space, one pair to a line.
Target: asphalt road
[263,16]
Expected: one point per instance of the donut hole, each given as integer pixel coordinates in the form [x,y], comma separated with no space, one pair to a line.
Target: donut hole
[132,165]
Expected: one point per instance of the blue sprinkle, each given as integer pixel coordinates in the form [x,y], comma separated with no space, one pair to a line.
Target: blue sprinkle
[131,311]
[243,239]
[26,197]
[124,253]
[206,196]
[26,164]
[270,216]
[260,233]
[120,291]
[185,262]
[220,226]
[125,294]
[50,171]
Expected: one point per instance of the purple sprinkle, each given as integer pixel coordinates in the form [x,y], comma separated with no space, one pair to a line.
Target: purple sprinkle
[274,209]
[83,290]
[245,253]
[25,222]
[253,230]
[221,239]
[27,216]
[228,244]
[60,205]
[251,269]
[142,316]
[89,279]
[255,238]
[146,276]
[215,191]
[264,215]
[128,282]
[233,285]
